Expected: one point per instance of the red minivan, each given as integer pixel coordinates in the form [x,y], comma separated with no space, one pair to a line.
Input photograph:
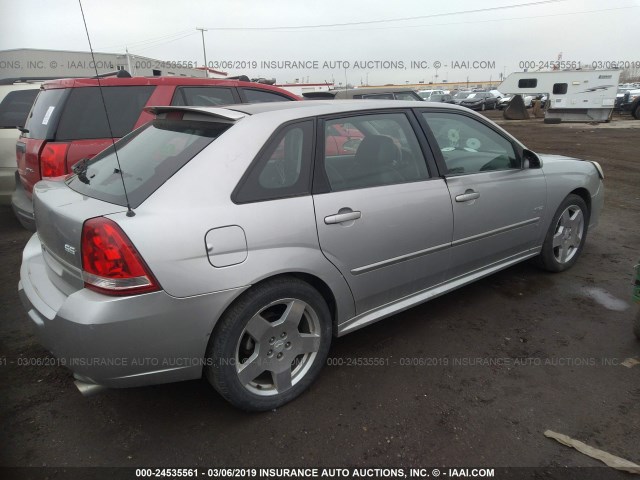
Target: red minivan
[68,122]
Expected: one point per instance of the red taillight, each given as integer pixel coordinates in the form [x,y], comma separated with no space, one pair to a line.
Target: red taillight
[53,159]
[110,262]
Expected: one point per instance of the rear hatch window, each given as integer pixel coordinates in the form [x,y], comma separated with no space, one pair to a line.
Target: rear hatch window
[84,114]
[148,157]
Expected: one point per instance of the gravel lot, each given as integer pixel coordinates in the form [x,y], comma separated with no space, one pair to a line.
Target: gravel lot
[491,367]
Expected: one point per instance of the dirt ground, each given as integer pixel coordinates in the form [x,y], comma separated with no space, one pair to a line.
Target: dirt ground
[463,400]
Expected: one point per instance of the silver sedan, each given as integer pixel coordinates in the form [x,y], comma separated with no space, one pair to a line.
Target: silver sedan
[235,242]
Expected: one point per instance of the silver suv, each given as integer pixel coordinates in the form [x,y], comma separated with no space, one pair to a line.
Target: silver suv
[244,240]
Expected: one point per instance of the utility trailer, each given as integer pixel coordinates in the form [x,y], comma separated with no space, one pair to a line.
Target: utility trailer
[572,95]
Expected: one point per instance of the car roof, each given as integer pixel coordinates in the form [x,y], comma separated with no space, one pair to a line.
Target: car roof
[182,81]
[350,92]
[297,110]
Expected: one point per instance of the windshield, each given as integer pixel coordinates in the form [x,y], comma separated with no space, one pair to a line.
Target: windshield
[148,157]
[461,95]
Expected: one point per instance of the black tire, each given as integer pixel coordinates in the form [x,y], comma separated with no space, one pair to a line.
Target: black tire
[277,347]
[636,112]
[552,121]
[636,325]
[551,257]
[482,107]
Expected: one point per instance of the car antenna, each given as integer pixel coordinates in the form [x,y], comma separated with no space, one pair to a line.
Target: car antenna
[130,212]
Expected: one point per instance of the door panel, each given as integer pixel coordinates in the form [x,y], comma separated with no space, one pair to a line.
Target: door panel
[497,204]
[398,245]
[502,221]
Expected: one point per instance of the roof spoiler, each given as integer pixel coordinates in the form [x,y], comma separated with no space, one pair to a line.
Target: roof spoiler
[319,95]
[116,73]
[216,112]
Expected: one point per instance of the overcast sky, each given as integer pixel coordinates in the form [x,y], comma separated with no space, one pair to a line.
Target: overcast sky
[454,33]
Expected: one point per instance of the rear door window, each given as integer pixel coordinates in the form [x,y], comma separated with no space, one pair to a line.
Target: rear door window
[84,113]
[204,96]
[148,157]
[387,153]
[15,107]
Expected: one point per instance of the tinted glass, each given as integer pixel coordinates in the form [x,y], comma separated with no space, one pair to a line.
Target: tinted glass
[560,88]
[407,96]
[84,113]
[203,96]
[527,83]
[469,146]
[260,96]
[44,114]
[377,96]
[283,169]
[148,158]
[15,107]
[387,153]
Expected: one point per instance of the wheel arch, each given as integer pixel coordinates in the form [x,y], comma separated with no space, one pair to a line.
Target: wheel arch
[585,195]
[314,281]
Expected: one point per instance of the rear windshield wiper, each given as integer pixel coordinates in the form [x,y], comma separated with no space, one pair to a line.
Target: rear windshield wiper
[80,169]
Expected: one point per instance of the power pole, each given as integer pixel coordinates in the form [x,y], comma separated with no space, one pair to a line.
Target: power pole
[204,50]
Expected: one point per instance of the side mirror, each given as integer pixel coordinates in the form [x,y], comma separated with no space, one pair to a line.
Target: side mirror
[530,160]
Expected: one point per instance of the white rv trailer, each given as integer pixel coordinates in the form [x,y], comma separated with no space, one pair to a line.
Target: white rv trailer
[573,95]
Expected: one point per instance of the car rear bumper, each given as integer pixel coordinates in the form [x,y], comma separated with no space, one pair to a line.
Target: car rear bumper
[23,205]
[119,341]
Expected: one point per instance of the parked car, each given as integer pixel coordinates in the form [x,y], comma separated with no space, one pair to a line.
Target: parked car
[68,121]
[16,98]
[443,98]
[378,93]
[426,94]
[630,102]
[480,101]
[239,249]
[460,96]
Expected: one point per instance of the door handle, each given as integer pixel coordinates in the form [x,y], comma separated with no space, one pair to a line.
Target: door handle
[342,217]
[467,196]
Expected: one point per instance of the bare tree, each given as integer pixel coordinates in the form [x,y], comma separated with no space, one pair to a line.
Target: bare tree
[629,75]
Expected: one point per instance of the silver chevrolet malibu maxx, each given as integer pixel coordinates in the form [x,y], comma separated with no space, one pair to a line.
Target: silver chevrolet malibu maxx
[236,242]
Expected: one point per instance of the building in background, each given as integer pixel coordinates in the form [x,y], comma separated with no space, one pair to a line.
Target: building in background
[45,64]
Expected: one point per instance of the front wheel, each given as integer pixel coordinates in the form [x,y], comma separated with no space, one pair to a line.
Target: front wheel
[566,236]
[636,325]
[270,345]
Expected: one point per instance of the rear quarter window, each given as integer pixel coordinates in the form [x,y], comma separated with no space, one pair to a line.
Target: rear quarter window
[45,113]
[84,113]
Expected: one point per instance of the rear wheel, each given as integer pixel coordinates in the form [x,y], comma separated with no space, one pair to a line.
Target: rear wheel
[636,112]
[566,236]
[270,345]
